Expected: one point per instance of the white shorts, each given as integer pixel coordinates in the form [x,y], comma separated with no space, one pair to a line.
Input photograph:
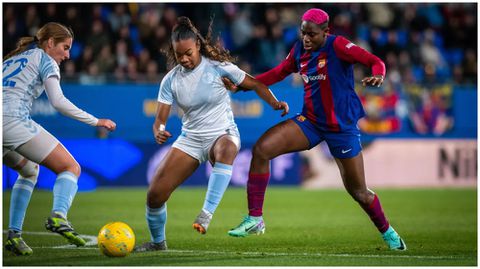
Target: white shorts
[17,132]
[199,146]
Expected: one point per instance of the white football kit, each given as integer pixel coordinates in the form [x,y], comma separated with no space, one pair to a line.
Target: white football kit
[25,77]
[202,96]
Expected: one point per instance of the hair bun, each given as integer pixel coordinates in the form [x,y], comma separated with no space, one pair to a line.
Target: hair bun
[183,21]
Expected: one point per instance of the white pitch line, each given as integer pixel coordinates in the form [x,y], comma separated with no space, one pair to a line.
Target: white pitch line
[92,241]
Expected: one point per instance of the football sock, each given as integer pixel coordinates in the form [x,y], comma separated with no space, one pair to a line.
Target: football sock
[256,187]
[217,184]
[21,193]
[64,191]
[156,219]
[375,211]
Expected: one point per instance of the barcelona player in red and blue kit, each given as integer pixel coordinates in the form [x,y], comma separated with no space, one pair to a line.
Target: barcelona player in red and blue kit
[330,113]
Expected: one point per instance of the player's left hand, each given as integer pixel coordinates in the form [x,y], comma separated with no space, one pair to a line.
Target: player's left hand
[373,81]
[281,105]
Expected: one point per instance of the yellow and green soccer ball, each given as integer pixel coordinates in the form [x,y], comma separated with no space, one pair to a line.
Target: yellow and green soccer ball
[116,239]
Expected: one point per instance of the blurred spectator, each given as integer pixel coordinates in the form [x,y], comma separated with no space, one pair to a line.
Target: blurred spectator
[99,37]
[380,107]
[69,74]
[105,60]
[469,67]
[152,75]
[420,42]
[92,76]
[119,18]
[430,111]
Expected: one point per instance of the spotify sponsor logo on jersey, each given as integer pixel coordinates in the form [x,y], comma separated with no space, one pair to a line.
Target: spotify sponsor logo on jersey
[313,78]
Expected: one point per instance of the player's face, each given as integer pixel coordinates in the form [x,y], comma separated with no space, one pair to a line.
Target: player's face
[60,51]
[313,35]
[187,52]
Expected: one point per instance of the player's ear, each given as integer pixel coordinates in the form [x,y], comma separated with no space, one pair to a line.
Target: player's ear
[198,44]
[326,31]
[50,42]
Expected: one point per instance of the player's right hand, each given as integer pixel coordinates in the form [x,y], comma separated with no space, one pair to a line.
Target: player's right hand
[109,124]
[161,136]
[229,85]
[281,105]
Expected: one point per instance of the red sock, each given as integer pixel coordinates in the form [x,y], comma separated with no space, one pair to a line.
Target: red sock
[375,211]
[256,187]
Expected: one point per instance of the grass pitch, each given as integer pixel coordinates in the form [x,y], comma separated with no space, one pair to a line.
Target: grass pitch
[304,228]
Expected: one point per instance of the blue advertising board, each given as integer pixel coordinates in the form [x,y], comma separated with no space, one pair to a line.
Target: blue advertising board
[129,155]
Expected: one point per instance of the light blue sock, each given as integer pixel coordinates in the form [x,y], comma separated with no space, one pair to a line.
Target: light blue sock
[21,193]
[156,220]
[64,191]
[217,184]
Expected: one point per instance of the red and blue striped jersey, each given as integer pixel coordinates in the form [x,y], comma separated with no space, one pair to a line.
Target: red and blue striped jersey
[330,101]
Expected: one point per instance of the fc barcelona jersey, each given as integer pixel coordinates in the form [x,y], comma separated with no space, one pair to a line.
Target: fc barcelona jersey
[330,101]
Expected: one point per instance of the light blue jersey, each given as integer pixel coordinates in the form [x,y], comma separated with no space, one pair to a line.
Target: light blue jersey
[23,78]
[202,96]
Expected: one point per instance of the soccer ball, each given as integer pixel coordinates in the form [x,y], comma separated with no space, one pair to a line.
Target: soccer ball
[116,239]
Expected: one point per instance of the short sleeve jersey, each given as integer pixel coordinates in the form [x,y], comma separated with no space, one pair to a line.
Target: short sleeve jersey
[201,95]
[23,80]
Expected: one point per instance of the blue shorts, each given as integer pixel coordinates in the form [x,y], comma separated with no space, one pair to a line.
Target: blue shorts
[342,145]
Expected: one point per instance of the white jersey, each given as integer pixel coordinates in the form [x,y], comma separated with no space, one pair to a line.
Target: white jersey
[202,96]
[23,80]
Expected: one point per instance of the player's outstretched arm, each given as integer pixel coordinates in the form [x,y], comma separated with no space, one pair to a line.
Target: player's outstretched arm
[264,92]
[67,108]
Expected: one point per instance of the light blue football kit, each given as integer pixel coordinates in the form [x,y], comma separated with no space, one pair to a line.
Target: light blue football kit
[25,77]
[202,96]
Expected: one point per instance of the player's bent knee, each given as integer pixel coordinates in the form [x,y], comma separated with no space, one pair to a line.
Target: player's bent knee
[261,150]
[74,168]
[156,199]
[29,172]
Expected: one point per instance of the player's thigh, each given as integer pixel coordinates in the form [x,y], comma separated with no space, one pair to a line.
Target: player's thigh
[60,160]
[282,138]
[174,169]
[225,149]
[46,150]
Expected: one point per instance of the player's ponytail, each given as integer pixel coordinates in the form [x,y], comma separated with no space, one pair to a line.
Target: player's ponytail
[53,30]
[184,29]
[22,45]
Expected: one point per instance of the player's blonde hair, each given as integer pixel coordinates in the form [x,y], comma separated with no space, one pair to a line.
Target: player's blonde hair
[54,30]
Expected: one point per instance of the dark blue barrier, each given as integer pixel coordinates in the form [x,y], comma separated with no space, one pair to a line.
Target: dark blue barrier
[115,162]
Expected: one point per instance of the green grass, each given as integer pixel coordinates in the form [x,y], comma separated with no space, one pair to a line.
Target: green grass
[304,228]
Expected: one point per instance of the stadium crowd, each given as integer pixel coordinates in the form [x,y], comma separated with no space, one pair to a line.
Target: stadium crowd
[120,42]
[420,43]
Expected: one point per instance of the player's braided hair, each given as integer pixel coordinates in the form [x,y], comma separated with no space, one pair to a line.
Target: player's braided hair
[55,30]
[184,29]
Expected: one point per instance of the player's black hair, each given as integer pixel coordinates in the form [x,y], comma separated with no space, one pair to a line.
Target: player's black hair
[184,29]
